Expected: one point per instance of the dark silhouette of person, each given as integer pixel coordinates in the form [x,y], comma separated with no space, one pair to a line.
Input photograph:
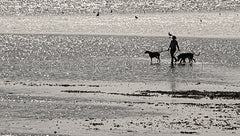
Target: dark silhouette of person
[173,46]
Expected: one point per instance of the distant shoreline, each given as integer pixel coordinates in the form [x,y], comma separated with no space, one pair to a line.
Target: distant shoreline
[130,13]
[189,25]
[121,35]
[126,14]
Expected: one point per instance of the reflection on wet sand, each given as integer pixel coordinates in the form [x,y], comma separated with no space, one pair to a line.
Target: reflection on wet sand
[172,77]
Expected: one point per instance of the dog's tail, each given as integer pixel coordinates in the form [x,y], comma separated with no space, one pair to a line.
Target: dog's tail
[196,54]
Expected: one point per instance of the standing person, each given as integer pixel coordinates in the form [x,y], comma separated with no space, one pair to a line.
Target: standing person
[173,46]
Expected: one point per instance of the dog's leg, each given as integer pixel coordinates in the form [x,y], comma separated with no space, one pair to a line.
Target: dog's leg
[194,60]
[158,59]
[182,60]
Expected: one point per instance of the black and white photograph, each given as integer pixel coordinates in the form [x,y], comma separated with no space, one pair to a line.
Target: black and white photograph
[119,67]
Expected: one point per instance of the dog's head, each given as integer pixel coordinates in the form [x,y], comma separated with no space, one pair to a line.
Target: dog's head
[146,52]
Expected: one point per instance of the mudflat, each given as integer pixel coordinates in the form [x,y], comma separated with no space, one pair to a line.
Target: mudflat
[83,75]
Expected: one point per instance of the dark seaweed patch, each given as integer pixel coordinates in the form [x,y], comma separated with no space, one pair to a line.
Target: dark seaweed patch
[96,124]
[78,91]
[185,132]
[93,85]
[195,94]
[133,94]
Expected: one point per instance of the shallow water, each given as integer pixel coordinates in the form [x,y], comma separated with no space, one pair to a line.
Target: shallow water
[117,58]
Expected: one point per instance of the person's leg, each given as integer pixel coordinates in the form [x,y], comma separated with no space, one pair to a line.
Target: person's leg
[172,55]
[175,58]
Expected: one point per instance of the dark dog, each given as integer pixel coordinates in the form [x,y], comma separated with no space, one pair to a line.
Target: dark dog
[182,57]
[153,55]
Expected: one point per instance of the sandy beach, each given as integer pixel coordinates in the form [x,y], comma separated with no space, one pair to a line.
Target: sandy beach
[114,108]
[86,75]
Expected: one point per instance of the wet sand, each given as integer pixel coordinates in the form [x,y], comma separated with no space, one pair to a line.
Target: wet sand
[41,95]
[114,108]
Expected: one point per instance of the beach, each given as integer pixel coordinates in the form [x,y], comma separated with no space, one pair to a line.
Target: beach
[115,108]
[87,75]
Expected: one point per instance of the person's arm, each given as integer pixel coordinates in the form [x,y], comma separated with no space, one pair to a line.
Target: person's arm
[169,46]
[177,46]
